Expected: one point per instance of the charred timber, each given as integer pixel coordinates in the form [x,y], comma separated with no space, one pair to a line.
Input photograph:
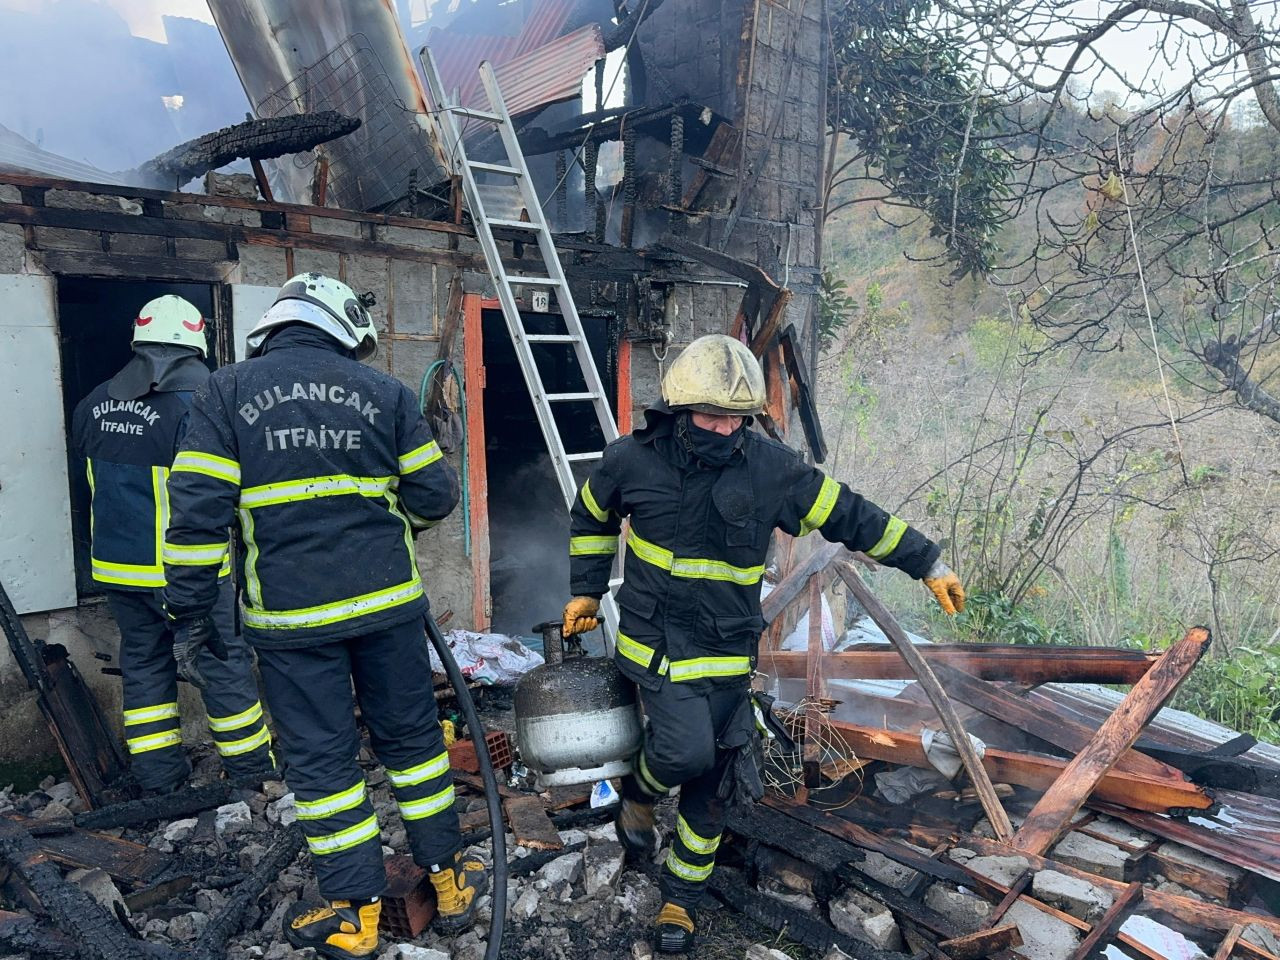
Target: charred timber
[98,933]
[255,139]
[23,934]
[212,943]
[730,887]
[169,806]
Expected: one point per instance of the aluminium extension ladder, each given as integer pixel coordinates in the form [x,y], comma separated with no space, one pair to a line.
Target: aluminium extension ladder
[552,279]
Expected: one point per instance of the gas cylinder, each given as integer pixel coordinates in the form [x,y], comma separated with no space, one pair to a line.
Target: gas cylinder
[577,719]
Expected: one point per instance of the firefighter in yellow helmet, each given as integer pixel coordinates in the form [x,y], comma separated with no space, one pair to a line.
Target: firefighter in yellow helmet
[127,431]
[703,494]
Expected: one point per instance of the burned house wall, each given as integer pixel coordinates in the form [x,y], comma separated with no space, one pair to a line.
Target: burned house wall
[61,229]
[761,66]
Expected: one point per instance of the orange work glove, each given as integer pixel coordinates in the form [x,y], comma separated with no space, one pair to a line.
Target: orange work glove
[580,615]
[946,586]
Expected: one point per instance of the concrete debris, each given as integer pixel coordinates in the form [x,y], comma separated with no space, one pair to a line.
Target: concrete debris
[640,950]
[526,904]
[566,869]
[233,818]
[1092,855]
[187,926]
[408,951]
[602,865]
[835,953]
[180,830]
[779,891]
[967,911]
[758,951]
[855,914]
[1081,899]
[1003,870]
[1044,937]
[97,883]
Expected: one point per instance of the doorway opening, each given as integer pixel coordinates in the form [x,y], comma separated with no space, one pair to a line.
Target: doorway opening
[95,330]
[528,520]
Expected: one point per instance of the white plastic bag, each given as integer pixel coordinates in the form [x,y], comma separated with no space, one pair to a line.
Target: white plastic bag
[489,658]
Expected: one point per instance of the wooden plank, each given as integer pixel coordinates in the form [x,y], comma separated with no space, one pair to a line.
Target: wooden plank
[788,589]
[989,661]
[1228,945]
[768,332]
[1051,814]
[1061,731]
[126,861]
[1252,951]
[1110,922]
[928,681]
[984,943]
[1018,888]
[528,820]
[1200,913]
[1027,770]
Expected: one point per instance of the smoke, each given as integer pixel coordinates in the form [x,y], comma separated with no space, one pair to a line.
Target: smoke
[528,543]
[89,80]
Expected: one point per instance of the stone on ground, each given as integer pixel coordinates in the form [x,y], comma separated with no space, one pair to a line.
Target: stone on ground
[967,911]
[180,830]
[408,951]
[97,883]
[602,865]
[855,914]
[1043,937]
[1078,897]
[758,951]
[562,869]
[1091,855]
[233,818]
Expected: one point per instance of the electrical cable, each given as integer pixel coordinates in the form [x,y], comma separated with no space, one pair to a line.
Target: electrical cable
[498,886]
[462,414]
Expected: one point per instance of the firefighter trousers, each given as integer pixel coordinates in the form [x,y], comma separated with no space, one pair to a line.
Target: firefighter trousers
[685,726]
[152,726]
[309,691]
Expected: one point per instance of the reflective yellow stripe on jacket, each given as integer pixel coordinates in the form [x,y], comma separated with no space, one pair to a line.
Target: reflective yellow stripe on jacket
[696,668]
[692,568]
[326,613]
[135,574]
[823,504]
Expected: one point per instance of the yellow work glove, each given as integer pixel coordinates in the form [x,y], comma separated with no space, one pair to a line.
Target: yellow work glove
[580,615]
[946,586]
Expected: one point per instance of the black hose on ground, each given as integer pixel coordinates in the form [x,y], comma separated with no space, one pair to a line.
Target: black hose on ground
[498,912]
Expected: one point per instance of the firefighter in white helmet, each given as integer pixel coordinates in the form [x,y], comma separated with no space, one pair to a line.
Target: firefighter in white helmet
[127,432]
[331,470]
[703,494]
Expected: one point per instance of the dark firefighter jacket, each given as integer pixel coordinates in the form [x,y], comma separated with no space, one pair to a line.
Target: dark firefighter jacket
[690,597]
[329,468]
[128,447]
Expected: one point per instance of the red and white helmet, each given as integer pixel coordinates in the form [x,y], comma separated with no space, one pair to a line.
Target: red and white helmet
[172,320]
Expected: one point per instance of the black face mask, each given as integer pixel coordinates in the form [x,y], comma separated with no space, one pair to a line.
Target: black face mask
[709,447]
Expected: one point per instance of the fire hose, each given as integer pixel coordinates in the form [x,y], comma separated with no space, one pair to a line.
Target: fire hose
[498,912]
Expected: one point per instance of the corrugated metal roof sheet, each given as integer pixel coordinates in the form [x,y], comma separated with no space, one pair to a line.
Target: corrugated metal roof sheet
[536,67]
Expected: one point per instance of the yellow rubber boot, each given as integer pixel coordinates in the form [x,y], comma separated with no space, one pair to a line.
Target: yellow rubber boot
[340,929]
[458,886]
[675,930]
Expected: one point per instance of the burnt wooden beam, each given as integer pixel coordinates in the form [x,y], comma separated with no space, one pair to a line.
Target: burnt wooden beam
[28,937]
[861,837]
[773,827]
[530,824]
[885,620]
[748,272]
[129,862]
[1061,731]
[99,933]
[169,806]
[212,944]
[1026,769]
[984,943]
[1109,923]
[991,661]
[1051,814]
[89,748]
[730,887]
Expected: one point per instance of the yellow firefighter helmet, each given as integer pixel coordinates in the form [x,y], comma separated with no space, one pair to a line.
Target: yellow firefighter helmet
[715,374]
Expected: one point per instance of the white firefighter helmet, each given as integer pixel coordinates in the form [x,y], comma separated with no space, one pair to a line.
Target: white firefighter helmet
[171,320]
[715,374]
[324,303]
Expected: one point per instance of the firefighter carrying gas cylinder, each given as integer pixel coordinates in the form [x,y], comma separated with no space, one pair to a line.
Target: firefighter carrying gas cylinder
[703,494]
[331,471]
[127,433]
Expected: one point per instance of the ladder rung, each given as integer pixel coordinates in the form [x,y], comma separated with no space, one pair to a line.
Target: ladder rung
[516,280]
[566,397]
[579,457]
[494,168]
[551,338]
[476,114]
[513,224]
